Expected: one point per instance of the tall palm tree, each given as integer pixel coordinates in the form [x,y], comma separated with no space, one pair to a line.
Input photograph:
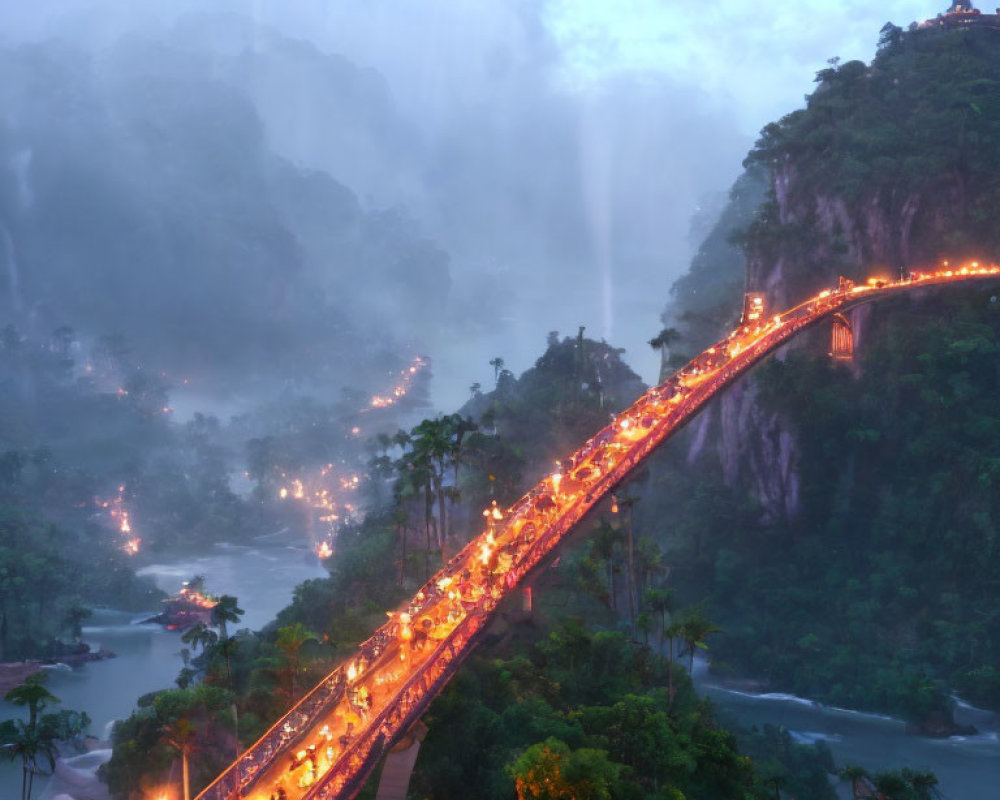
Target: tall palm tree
[181,736]
[460,426]
[227,649]
[626,504]
[695,627]
[290,640]
[497,364]
[225,611]
[414,479]
[29,740]
[200,635]
[661,602]
[399,517]
[673,632]
[19,740]
[33,695]
[432,449]
[605,540]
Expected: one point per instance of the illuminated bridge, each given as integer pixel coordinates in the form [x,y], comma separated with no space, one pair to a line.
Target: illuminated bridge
[328,743]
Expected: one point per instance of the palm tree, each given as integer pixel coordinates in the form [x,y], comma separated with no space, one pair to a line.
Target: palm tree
[227,649]
[858,776]
[648,563]
[605,539]
[181,735]
[497,364]
[399,517]
[924,784]
[674,631]
[290,640]
[414,478]
[29,739]
[200,635]
[224,611]
[460,426]
[662,342]
[627,503]
[661,601]
[694,629]
[19,739]
[432,448]
[33,695]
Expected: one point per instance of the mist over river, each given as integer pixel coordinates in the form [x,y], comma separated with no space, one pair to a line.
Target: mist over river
[148,656]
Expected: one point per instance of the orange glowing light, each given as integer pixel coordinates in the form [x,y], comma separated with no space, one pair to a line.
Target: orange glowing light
[459,599]
[399,391]
[324,550]
[197,598]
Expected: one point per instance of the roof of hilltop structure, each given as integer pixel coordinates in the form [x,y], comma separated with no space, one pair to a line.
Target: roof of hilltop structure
[960,15]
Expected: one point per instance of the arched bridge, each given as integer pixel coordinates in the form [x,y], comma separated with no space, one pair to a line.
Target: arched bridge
[328,743]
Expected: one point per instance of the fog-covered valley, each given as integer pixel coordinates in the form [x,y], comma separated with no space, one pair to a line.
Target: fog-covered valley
[317,291]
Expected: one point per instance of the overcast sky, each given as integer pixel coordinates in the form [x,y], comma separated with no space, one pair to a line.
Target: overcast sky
[717,72]
[758,58]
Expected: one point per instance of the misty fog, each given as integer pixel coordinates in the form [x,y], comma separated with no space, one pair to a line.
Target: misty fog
[240,204]
[260,195]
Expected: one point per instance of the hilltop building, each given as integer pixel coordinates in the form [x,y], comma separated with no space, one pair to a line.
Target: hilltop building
[960,15]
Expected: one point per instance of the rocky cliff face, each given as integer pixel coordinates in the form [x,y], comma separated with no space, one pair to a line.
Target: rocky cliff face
[751,445]
[891,166]
[877,233]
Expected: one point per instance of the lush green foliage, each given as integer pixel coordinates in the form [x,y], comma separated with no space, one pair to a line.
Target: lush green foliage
[878,592]
[882,592]
[909,145]
[706,299]
[584,713]
[34,740]
[143,752]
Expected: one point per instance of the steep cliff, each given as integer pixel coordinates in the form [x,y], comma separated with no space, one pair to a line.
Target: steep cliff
[890,166]
[843,520]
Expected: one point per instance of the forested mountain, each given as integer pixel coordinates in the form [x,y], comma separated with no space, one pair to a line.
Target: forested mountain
[844,516]
[156,209]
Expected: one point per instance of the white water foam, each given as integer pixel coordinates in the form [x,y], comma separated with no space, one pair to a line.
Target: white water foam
[811,737]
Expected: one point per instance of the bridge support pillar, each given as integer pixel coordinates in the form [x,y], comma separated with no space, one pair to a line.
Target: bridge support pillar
[399,763]
[842,338]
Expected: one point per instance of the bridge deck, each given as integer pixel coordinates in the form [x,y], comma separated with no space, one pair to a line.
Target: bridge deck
[326,745]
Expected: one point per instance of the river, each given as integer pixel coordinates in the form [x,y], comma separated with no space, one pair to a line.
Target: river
[968,767]
[263,578]
[148,656]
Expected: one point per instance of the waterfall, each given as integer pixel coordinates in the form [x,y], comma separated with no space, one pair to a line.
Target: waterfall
[13,274]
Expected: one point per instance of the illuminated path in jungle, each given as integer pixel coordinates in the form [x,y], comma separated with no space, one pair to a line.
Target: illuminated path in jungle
[328,743]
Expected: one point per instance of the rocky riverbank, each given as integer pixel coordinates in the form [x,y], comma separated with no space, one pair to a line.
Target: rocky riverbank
[15,673]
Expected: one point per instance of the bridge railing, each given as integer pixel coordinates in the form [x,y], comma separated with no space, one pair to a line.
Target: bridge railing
[244,772]
[423,685]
